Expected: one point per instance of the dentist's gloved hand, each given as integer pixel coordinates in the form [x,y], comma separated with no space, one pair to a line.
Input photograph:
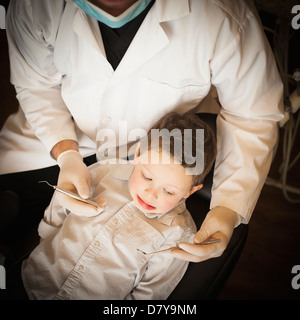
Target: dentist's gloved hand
[74,176]
[218,224]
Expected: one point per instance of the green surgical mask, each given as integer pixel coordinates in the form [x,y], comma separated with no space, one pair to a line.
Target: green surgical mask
[109,20]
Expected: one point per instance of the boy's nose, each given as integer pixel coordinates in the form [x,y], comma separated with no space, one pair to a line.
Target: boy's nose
[151,192]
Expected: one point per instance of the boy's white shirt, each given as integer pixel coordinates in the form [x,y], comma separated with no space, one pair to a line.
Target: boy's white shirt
[97,258]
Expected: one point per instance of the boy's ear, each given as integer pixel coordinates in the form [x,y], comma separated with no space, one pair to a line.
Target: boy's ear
[194,189]
[137,153]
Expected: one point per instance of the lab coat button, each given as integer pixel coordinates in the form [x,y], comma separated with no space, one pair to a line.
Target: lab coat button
[97,243]
[81,267]
[106,120]
[115,222]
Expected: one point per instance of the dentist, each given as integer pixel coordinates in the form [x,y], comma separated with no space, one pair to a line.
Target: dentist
[80,67]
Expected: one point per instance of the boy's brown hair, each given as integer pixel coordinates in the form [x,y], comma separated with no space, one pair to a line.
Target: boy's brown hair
[179,122]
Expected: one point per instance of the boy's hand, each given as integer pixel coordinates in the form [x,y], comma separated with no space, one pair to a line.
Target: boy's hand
[218,224]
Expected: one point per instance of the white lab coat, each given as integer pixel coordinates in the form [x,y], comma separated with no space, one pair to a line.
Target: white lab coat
[68,90]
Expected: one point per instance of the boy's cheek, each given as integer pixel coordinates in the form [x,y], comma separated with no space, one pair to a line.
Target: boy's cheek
[133,183]
[167,205]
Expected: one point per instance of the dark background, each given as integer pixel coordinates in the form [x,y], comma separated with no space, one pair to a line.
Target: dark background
[264,270]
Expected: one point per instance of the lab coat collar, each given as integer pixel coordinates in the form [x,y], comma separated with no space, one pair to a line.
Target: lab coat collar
[168,10]
[89,32]
[147,46]
[151,37]
[124,171]
[87,28]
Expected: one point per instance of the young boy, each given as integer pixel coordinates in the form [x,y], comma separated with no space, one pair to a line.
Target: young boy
[102,257]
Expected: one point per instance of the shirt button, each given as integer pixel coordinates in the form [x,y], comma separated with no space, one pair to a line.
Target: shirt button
[115,222]
[81,267]
[106,120]
[97,243]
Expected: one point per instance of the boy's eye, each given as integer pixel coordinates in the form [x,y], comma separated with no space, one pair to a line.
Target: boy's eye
[146,178]
[169,193]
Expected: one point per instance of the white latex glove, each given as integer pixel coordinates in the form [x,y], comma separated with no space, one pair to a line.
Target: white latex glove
[218,224]
[74,176]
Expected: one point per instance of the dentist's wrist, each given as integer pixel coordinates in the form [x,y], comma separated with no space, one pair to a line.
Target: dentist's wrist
[67,155]
[63,146]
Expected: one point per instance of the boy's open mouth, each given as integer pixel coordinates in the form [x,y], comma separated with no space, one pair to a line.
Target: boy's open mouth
[144,204]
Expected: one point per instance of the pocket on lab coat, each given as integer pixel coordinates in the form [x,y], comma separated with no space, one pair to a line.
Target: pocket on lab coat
[161,97]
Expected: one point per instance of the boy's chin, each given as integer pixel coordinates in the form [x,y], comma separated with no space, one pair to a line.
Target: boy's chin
[146,212]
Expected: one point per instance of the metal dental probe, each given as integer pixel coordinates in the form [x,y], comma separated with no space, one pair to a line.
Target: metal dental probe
[168,249]
[74,195]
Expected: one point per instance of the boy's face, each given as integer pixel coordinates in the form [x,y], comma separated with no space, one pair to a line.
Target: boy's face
[156,187]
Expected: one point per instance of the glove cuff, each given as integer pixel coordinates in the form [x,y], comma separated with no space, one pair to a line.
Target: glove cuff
[65,155]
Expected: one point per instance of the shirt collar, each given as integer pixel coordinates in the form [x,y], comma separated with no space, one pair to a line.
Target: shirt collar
[167,218]
[123,171]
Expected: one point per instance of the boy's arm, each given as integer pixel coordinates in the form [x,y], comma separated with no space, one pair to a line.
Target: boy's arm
[161,277]
[163,271]
[53,218]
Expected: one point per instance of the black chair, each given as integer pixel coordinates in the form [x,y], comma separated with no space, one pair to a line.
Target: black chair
[205,280]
